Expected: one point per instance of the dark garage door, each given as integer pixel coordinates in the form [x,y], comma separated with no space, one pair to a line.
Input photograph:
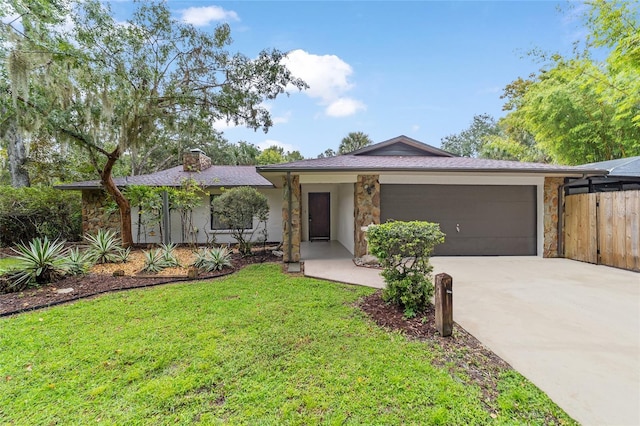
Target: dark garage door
[478,220]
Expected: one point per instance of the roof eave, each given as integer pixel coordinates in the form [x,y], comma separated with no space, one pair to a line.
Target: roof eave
[566,172]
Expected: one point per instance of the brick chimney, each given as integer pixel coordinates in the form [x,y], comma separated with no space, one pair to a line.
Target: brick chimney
[195,161]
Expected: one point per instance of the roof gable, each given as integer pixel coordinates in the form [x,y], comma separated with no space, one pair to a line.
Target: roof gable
[402,146]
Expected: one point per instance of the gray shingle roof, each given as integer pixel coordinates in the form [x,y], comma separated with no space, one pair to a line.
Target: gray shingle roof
[422,163]
[227,176]
[621,167]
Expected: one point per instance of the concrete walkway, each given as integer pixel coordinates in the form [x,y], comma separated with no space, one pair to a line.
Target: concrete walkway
[571,328]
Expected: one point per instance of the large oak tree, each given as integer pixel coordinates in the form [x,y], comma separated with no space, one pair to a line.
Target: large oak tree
[113,87]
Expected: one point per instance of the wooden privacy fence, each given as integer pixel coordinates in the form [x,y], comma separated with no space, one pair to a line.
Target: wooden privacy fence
[603,228]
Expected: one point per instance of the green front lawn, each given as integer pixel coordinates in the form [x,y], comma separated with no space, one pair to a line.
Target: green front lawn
[255,347]
[7,263]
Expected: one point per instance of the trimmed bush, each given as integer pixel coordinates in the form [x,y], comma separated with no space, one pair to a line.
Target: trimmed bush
[27,213]
[403,249]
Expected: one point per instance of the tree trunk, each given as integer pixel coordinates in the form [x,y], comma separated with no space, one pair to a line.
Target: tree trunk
[121,201]
[17,153]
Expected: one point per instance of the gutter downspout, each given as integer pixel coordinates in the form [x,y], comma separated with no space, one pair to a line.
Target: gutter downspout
[289,218]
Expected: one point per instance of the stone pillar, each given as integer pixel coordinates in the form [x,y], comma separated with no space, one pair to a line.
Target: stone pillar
[94,214]
[296,219]
[367,209]
[551,185]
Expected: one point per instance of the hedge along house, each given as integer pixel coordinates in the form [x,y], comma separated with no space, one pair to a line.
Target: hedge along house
[485,207]
[212,178]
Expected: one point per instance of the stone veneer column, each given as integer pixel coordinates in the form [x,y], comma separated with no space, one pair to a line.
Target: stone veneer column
[551,185]
[296,221]
[94,216]
[367,209]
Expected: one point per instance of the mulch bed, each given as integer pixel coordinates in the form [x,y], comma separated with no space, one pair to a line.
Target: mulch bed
[95,284]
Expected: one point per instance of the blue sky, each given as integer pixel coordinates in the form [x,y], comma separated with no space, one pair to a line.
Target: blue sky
[420,68]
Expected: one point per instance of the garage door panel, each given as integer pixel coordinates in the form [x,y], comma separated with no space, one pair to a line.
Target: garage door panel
[478,220]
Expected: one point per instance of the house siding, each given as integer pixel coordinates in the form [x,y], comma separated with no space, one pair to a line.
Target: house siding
[346,219]
[201,221]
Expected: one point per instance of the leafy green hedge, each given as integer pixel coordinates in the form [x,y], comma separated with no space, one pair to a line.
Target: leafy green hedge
[27,213]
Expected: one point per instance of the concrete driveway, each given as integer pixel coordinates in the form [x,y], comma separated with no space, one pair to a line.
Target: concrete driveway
[571,328]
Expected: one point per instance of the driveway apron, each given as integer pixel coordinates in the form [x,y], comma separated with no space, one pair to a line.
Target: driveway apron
[571,328]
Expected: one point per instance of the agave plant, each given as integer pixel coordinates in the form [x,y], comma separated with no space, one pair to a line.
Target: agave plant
[104,247]
[168,255]
[213,259]
[123,254]
[154,261]
[40,262]
[77,262]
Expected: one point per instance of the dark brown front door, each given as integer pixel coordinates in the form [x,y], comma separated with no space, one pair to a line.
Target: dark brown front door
[319,214]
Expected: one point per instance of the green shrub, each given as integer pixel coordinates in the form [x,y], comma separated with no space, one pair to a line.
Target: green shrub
[105,247]
[237,208]
[214,259]
[403,249]
[40,262]
[27,213]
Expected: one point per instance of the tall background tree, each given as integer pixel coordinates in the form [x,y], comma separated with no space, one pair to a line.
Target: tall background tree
[354,141]
[580,109]
[113,88]
[469,142]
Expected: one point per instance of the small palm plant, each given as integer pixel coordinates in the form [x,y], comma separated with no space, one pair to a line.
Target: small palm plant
[215,259]
[40,262]
[104,247]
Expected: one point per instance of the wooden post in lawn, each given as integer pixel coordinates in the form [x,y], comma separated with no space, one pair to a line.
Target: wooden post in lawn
[444,304]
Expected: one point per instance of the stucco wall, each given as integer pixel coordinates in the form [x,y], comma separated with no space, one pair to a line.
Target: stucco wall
[345,224]
[202,223]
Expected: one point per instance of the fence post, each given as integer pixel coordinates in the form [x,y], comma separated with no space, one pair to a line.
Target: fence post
[444,304]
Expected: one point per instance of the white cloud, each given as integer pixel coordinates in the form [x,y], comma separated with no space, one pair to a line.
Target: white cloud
[344,107]
[415,128]
[282,118]
[328,80]
[222,124]
[267,143]
[205,15]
